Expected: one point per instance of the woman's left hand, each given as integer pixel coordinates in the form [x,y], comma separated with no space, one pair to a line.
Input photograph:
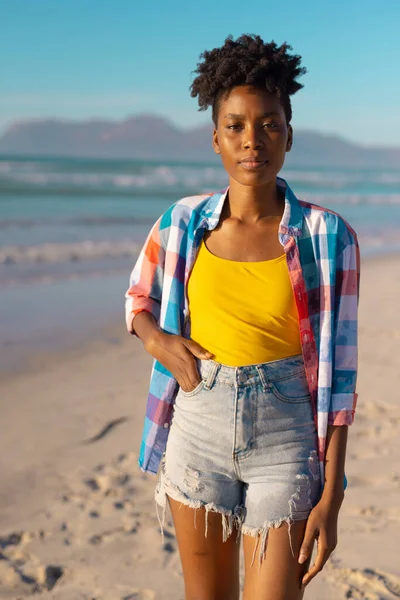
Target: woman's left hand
[321,525]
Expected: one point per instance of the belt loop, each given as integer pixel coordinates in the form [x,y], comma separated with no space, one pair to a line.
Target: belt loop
[212,371]
[263,380]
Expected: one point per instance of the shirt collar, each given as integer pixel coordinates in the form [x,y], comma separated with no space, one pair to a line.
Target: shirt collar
[292,218]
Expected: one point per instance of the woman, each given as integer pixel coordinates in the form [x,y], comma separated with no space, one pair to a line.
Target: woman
[247,300]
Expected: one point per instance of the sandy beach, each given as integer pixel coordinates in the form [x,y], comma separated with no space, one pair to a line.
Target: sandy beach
[77,516]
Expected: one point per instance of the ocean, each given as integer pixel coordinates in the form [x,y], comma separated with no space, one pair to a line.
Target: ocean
[71,229]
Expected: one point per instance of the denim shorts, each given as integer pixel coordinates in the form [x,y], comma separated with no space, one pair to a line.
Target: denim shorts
[243,443]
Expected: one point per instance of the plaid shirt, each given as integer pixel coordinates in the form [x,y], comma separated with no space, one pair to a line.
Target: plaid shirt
[323,260]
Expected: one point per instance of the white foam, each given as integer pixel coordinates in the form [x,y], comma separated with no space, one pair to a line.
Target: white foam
[57,253]
[151,177]
[350,198]
[161,176]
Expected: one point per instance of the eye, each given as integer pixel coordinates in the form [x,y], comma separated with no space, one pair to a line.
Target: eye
[270,125]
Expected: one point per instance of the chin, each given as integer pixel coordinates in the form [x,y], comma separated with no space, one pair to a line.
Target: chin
[253,178]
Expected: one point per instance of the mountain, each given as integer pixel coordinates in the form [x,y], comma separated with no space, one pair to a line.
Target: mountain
[152,137]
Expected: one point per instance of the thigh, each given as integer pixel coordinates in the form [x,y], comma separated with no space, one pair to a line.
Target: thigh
[210,566]
[279,575]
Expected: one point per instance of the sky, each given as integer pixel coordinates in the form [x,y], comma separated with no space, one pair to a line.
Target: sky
[95,58]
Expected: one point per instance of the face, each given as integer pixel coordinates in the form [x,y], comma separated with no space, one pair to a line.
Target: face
[252,125]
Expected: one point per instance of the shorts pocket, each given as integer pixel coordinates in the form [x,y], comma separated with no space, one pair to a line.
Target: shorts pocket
[293,389]
[193,392]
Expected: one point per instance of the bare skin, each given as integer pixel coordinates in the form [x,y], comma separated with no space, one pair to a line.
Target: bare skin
[280,575]
[211,566]
[251,122]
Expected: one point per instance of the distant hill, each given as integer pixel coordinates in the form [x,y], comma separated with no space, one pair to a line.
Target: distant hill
[153,137]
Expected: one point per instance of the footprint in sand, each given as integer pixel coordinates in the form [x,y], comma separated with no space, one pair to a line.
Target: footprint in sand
[47,576]
[23,578]
[105,535]
[168,547]
[367,584]
[140,595]
[12,539]
[370,511]
[100,505]
[104,497]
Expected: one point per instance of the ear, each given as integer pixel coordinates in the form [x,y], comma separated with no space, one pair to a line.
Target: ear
[289,142]
[215,143]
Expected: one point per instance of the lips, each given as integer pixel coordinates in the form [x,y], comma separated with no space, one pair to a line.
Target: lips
[253,159]
[252,164]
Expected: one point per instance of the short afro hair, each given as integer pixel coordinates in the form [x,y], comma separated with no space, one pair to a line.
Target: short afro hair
[246,61]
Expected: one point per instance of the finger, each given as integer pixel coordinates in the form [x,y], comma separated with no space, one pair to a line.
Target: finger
[187,382]
[193,374]
[308,543]
[188,376]
[197,350]
[181,367]
[182,376]
[320,560]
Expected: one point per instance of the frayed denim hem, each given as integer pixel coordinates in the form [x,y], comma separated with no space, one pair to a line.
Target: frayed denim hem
[235,517]
[261,533]
[302,495]
[230,518]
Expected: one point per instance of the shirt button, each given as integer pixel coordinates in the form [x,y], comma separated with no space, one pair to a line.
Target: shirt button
[305,337]
[299,295]
[166,425]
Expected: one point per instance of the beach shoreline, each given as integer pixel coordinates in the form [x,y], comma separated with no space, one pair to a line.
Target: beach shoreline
[73,496]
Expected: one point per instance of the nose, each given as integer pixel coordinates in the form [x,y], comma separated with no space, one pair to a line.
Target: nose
[253,138]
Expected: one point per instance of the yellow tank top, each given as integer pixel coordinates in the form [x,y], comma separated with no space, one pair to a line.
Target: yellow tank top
[243,312]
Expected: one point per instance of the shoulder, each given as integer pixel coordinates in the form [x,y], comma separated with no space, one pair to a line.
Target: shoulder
[322,220]
[190,205]
[185,207]
[185,213]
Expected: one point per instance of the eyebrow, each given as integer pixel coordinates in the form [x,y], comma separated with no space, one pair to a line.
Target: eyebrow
[266,114]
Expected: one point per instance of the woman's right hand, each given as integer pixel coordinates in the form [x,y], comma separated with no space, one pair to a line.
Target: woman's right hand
[177,354]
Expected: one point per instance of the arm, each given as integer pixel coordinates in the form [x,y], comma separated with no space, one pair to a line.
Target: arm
[146,328]
[345,363]
[322,522]
[345,351]
[142,311]
[333,492]
[146,280]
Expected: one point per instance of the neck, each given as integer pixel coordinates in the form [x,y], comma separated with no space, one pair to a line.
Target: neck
[251,204]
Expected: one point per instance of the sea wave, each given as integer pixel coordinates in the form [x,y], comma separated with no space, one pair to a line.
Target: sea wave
[350,198]
[71,252]
[160,179]
[89,221]
[143,178]
[45,278]
[339,178]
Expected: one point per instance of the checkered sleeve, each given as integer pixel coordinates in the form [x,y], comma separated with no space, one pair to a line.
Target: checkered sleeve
[146,279]
[345,352]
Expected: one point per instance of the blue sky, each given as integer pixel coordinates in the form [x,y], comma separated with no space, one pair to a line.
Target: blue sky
[116,58]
